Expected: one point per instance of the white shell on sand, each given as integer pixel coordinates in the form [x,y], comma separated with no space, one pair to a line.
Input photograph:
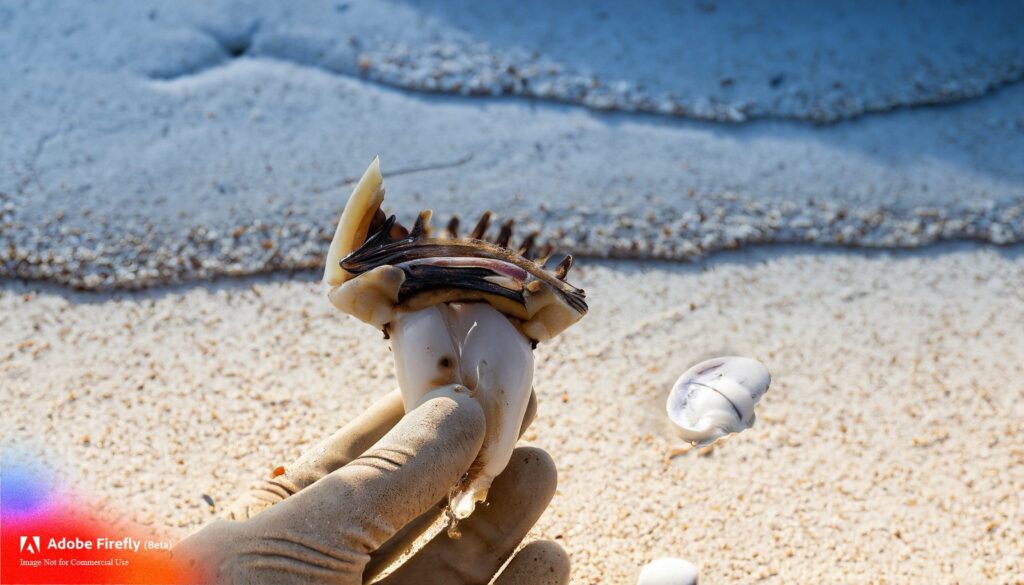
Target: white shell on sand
[668,571]
[717,397]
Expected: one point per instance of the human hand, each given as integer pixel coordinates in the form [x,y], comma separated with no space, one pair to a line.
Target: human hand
[344,510]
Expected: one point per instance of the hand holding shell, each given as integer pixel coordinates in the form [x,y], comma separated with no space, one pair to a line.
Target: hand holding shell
[462,311]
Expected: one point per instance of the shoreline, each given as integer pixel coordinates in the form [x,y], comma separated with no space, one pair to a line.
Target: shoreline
[235,172]
[313,270]
[209,267]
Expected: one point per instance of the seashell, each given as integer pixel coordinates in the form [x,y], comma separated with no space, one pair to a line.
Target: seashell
[412,269]
[461,311]
[717,397]
[668,571]
[355,222]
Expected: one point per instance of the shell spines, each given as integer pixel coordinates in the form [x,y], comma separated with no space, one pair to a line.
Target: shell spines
[563,267]
[505,234]
[481,226]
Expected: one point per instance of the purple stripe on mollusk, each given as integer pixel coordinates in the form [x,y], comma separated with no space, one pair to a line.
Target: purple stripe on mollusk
[496,266]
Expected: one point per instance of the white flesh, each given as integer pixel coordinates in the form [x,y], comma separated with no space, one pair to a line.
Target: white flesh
[485,353]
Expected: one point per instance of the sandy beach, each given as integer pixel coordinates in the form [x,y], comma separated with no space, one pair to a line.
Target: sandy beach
[836,190]
[889,449]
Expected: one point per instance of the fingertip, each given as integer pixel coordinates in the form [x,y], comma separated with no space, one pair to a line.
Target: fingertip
[532,471]
[541,562]
[458,413]
[516,500]
[400,477]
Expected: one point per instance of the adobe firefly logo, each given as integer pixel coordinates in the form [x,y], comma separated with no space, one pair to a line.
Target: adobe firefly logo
[29,544]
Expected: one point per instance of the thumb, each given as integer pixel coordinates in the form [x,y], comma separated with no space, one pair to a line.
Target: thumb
[355,509]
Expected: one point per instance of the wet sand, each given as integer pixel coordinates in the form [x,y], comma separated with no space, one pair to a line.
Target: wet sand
[151,144]
[889,449]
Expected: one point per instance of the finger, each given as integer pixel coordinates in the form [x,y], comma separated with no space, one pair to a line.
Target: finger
[516,500]
[348,442]
[356,508]
[329,454]
[399,544]
[542,562]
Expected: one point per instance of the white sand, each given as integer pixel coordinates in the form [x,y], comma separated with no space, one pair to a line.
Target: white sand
[889,449]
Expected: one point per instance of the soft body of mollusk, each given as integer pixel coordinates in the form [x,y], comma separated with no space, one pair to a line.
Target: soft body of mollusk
[473,345]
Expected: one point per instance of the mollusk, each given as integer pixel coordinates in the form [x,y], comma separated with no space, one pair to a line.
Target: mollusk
[463,311]
[407,270]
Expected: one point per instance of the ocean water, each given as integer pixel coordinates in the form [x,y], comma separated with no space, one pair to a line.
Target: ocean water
[149,143]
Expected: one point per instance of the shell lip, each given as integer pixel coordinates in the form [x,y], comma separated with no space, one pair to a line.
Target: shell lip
[412,253]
